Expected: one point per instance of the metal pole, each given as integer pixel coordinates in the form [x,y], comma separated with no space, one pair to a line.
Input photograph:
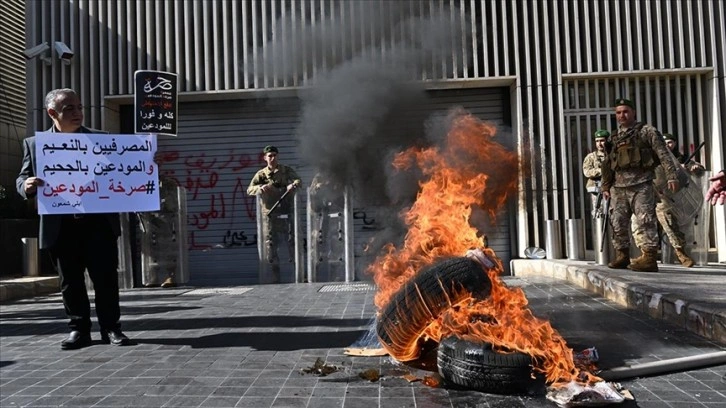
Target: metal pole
[30,256]
[553,239]
[575,239]
[664,366]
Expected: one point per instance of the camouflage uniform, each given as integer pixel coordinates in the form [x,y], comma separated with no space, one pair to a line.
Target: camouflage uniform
[665,210]
[280,221]
[628,174]
[591,168]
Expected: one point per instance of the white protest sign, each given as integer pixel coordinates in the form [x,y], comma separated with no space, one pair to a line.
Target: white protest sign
[96,173]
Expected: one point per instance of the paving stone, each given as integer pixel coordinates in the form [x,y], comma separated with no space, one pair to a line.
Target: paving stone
[199,351]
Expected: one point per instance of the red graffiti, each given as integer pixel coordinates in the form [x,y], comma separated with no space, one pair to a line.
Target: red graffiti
[201,221]
[194,184]
[202,181]
[165,157]
[248,201]
[194,246]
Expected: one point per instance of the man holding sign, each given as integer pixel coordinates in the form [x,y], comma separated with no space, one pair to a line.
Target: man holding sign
[77,242]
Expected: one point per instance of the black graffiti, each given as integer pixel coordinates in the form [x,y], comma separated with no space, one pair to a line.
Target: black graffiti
[231,239]
[361,215]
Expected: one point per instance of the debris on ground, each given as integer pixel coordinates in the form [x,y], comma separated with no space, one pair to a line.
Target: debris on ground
[586,358]
[578,395]
[433,381]
[411,378]
[320,368]
[370,374]
[365,352]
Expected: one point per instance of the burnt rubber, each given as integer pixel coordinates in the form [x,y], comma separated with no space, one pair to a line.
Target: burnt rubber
[423,298]
[476,366]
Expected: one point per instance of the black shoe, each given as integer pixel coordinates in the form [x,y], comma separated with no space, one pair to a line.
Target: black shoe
[115,337]
[76,340]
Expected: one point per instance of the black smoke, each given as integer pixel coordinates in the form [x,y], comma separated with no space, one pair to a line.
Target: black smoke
[367,102]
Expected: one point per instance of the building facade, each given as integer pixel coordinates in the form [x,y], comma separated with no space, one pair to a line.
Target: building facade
[13,115]
[254,72]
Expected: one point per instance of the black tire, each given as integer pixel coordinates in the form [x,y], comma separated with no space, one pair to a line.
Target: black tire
[422,299]
[476,366]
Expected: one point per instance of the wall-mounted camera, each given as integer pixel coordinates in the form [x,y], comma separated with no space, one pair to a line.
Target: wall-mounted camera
[64,53]
[31,53]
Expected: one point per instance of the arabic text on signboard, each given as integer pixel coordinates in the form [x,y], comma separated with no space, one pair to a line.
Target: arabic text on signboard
[155,102]
[96,173]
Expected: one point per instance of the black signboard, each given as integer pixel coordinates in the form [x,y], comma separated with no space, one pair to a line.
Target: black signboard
[155,102]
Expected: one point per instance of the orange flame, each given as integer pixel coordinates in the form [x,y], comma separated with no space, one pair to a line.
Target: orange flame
[472,170]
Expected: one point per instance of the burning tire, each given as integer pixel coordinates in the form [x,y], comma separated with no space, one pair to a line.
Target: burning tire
[422,299]
[476,366]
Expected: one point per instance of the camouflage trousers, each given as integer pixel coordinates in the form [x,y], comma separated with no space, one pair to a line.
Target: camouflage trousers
[277,230]
[668,221]
[637,202]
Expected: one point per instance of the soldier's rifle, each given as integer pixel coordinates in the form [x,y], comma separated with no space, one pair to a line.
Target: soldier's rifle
[277,203]
[598,200]
[693,154]
[604,232]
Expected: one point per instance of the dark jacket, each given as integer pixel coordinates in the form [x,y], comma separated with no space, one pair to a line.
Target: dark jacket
[50,224]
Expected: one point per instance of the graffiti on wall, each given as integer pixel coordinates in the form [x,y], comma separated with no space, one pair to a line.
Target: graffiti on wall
[201,176]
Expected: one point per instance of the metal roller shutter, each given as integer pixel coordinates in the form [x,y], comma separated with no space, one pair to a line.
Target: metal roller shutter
[218,151]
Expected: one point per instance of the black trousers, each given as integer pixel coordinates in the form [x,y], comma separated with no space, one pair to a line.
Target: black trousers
[88,243]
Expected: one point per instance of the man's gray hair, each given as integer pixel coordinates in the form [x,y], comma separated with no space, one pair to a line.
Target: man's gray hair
[52,95]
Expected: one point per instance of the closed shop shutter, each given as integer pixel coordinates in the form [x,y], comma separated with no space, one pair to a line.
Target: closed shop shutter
[218,151]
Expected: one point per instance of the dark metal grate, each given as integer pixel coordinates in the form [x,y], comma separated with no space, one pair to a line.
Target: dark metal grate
[348,287]
[216,291]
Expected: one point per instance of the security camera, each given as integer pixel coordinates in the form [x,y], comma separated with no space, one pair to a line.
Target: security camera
[31,53]
[64,53]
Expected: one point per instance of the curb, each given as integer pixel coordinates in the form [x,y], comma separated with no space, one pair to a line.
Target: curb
[702,318]
[23,288]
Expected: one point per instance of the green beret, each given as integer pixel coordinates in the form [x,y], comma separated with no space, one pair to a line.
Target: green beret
[601,134]
[269,149]
[668,136]
[626,102]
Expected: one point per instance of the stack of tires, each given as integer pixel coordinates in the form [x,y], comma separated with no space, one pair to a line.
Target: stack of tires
[461,363]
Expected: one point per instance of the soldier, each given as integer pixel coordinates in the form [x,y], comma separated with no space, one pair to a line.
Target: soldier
[692,165]
[664,210]
[270,183]
[627,178]
[591,166]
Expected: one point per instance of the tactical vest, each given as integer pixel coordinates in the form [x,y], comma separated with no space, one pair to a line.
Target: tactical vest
[630,152]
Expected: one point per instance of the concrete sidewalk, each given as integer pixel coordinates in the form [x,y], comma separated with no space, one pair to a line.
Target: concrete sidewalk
[254,347]
[28,287]
[690,298]
[693,299]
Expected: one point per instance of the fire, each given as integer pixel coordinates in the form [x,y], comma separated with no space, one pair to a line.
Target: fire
[470,171]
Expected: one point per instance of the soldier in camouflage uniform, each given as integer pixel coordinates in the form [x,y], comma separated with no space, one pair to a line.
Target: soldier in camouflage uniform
[627,178]
[667,217]
[270,183]
[592,165]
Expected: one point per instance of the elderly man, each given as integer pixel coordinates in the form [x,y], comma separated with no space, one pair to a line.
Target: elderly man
[627,179]
[79,242]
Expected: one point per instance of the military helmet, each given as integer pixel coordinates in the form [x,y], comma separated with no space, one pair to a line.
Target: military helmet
[269,149]
[669,136]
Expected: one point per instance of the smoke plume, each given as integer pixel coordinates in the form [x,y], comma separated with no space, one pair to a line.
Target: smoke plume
[366,104]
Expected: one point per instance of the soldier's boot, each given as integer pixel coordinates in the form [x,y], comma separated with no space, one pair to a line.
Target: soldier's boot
[622,259]
[645,262]
[683,257]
